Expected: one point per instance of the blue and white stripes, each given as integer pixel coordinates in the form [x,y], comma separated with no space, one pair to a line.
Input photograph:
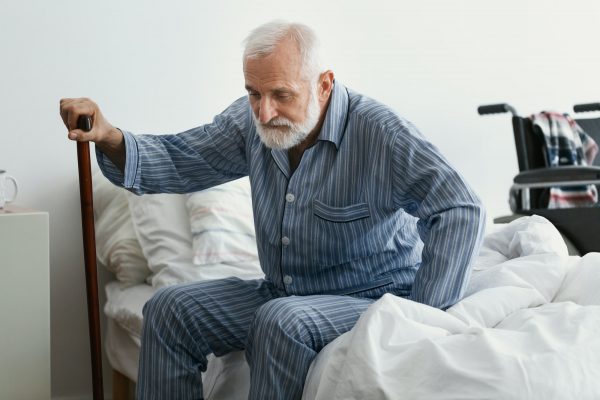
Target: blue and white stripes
[281,335]
[372,203]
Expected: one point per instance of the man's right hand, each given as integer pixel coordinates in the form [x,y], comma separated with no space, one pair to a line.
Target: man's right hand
[107,138]
[72,109]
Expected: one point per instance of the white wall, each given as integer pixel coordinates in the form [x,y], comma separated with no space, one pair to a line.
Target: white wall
[167,66]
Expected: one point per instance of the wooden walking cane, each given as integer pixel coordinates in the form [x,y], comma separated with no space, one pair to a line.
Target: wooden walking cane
[89,252]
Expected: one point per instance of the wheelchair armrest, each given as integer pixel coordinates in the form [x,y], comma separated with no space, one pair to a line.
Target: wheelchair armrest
[557,176]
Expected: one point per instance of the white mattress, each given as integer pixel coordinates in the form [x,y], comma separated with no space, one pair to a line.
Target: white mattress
[227,377]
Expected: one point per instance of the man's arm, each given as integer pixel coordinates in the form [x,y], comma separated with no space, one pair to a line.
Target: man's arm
[451,218]
[193,160]
[107,138]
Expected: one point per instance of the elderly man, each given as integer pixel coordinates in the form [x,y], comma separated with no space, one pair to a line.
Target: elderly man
[350,203]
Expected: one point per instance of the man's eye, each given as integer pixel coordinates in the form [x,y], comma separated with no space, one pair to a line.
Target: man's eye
[254,94]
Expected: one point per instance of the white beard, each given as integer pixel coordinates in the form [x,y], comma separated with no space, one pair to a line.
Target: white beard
[282,134]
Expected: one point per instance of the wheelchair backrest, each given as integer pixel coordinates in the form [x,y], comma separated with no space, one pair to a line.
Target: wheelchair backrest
[530,145]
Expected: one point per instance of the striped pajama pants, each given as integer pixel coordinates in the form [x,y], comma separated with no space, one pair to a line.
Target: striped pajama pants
[281,335]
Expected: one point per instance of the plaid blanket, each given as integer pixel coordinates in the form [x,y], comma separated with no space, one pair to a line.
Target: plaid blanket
[567,144]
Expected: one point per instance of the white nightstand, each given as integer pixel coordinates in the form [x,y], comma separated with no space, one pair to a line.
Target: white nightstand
[24,304]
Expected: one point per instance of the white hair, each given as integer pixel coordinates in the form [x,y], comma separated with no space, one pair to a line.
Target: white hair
[262,41]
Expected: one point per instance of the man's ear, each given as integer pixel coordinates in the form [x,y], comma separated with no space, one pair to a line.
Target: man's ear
[325,85]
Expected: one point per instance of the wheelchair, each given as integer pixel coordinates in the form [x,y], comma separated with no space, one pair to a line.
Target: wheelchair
[580,226]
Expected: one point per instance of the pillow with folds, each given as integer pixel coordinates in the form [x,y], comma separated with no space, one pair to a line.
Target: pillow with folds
[162,227]
[223,238]
[222,224]
[117,247]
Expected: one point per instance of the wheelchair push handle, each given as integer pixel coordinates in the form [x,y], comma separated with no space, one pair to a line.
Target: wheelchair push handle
[586,107]
[500,108]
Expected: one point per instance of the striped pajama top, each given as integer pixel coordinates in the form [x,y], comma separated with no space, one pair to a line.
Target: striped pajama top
[372,204]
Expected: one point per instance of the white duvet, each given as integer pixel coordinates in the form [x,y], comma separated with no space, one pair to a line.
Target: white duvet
[527,328]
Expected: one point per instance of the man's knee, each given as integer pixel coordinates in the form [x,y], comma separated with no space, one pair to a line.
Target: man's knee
[166,301]
[278,316]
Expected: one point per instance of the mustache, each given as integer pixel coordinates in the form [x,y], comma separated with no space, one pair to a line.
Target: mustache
[277,122]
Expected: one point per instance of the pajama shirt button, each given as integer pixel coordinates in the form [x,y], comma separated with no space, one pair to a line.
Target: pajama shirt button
[287,279]
[290,198]
[285,240]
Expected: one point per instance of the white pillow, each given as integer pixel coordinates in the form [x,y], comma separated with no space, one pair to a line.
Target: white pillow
[223,224]
[224,242]
[163,229]
[117,247]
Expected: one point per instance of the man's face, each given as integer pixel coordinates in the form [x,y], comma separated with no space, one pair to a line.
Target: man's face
[284,104]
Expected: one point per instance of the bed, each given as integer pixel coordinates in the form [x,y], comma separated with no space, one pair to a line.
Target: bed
[527,327]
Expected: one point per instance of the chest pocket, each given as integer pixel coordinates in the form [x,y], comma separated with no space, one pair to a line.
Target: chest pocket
[340,233]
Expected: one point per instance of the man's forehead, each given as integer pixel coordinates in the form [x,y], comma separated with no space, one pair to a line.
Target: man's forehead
[272,84]
[265,75]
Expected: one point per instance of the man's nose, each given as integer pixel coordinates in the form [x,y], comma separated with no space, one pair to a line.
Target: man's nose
[267,111]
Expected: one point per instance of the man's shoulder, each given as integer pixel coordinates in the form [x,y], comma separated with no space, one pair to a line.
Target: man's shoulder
[237,115]
[238,109]
[376,115]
